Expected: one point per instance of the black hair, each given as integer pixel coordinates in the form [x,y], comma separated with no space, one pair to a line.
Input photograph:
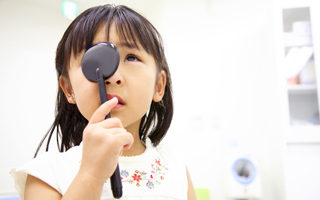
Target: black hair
[132,28]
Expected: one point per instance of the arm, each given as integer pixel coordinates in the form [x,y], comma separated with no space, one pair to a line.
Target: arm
[191,192]
[82,187]
[103,140]
[37,189]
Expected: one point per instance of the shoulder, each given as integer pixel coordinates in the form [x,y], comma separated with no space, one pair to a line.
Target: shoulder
[170,150]
[174,160]
[172,154]
[49,167]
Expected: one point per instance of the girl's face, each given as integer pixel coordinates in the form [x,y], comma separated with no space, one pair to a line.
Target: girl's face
[136,83]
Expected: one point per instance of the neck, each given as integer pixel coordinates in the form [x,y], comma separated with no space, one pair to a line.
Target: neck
[138,147]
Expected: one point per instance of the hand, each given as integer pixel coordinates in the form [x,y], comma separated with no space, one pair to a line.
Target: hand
[103,141]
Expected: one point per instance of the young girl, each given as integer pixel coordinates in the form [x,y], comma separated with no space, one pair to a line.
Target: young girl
[141,110]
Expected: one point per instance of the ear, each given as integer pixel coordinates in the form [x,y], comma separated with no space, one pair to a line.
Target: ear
[160,87]
[65,86]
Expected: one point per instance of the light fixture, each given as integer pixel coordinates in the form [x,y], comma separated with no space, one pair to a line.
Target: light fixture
[69,9]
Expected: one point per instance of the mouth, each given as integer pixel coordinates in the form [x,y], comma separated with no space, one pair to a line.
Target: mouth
[120,101]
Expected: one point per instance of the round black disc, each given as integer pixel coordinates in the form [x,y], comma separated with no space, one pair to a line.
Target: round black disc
[104,56]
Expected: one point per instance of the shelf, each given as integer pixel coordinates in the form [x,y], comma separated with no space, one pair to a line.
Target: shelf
[303,134]
[285,4]
[302,89]
[291,39]
[289,44]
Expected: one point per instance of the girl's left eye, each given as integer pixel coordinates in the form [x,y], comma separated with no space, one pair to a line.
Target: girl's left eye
[132,58]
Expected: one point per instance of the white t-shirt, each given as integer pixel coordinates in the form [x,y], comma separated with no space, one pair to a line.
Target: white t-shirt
[159,173]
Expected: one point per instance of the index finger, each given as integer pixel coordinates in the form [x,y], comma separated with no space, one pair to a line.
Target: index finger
[100,114]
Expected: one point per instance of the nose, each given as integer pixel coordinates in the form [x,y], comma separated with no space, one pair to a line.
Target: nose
[115,79]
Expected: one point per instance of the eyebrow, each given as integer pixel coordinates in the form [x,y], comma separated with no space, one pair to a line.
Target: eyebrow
[129,45]
[124,45]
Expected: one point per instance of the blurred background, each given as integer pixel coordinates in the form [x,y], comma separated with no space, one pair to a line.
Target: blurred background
[245,84]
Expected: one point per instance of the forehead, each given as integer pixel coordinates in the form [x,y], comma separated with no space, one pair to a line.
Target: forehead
[116,36]
[100,35]
[104,34]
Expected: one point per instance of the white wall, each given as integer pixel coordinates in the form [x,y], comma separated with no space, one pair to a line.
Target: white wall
[29,35]
[302,173]
[221,55]
[226,88]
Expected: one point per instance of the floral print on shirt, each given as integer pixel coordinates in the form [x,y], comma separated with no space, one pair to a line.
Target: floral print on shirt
[150,180]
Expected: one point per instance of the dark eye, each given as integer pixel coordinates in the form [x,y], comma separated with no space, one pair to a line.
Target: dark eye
[131,58]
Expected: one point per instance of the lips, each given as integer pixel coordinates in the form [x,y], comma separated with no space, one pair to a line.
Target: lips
[120,101]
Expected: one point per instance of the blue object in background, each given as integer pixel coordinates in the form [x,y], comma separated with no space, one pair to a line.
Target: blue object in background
[9,198]
[244,171]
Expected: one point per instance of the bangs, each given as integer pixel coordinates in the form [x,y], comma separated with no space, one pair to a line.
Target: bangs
[135,30]
[132,28]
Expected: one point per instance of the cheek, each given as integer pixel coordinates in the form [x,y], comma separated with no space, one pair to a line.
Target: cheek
[87,103]
[143,93]
[86,94]
[144,83]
